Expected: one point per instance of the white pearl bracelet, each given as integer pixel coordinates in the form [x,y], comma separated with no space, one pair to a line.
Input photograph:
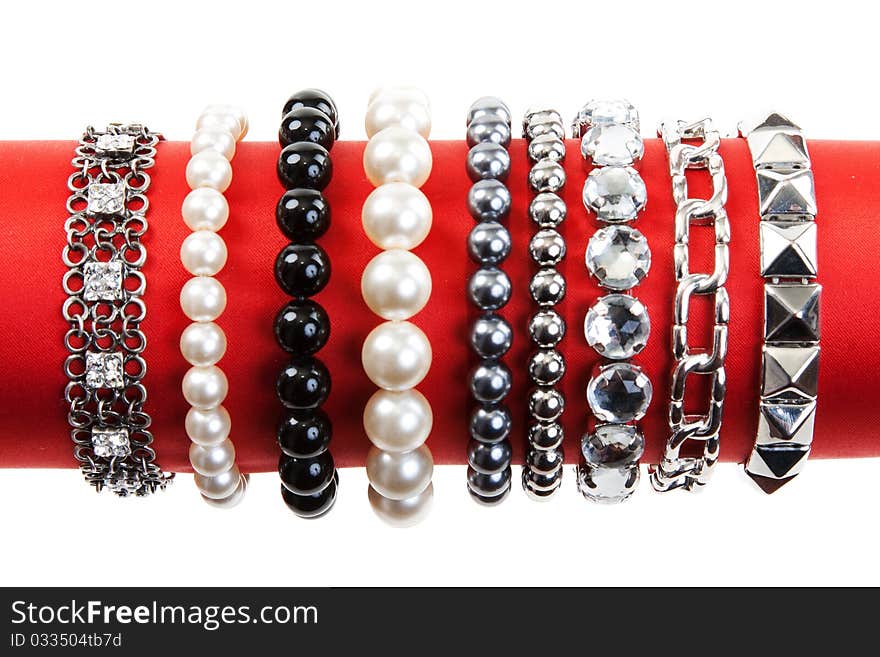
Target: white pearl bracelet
[203,299]
[396,285]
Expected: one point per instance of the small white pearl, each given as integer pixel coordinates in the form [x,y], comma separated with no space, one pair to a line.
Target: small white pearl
[396,154]
[214,460]
[205,209]
[234,110]
[208,428]
[202,343]
[398,421]
[221,486]
[401,109]
[212,139]
[205,387]
[400,475]
[203,299]
[220,119]
[396,355]
[203,253]
[396,284]
[402,513]
[231,500]
[209,169]
[410,92]
[397,216]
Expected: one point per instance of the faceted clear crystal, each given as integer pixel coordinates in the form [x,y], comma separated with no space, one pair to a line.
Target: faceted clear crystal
[104,370]
[603,112]
[110,443]
[619,257]
[612,145]
[102,281]
[607,485]
[615,194]
[114,144]
[620,393]
[106,198]
[613,445]
[617,326]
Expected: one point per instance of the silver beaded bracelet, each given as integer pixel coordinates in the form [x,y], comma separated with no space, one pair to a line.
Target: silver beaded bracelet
[617,325]
[105,307]
[790,355]
[675,471]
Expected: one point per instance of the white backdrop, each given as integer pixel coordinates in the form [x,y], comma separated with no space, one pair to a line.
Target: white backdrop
[686,59]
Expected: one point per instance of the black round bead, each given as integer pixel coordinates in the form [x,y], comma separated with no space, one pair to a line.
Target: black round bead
[489,458]
[302,270]
[303,215]
[303,384]
[488,485]
[316,99]
[306,476]
[312,506]
[304,433]
[304,164]
[302,327]
[490,424]
[307,124]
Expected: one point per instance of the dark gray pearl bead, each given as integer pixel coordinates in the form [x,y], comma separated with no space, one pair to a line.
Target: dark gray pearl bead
[490,381]
[546,147]
[546,328]
[488,106]
[488,161]
[546,462]
[547,287]
[488,128]
[488,243]
[489,458]
[546,367]
[492,486]
[547,210]
[491,423]
[546,176]
[489,288]
[546,404]
[489,200]
[545,435]
[491,336]
[547,247]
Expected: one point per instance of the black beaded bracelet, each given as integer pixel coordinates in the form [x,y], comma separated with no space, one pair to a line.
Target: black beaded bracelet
[489,288]
[308,130]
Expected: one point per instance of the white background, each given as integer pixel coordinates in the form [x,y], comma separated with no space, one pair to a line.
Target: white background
[671,59]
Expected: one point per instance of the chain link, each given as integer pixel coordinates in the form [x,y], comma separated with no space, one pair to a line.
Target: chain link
[695,146]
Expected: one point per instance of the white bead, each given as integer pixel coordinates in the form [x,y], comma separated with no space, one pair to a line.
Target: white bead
[396,284]
[398,421]
[410,92]
[402,513]
[202,343]
[205,209]
[214,460]
[400,109]
[221,486]
[202,299]
[205,387]
[212,139]
[400,475]
[209,427]
[209,169]
[396,355]
[232,499]
[203,253]
[234,110]
[397,216]
[396,154]
[220,119]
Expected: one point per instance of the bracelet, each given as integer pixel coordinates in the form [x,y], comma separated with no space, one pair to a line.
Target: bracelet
[105,307]
[203,299]
[309,481]
[675,471]
[542,474]
[396,285]
[488,166]
[790,355]
[617,325]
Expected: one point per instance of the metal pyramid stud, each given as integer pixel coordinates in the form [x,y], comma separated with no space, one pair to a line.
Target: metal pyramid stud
[768,484]
[788,249]
[777,461]
[791,312]
[778,150]
[786,193]
[790,373]
[786,422]
[776,120]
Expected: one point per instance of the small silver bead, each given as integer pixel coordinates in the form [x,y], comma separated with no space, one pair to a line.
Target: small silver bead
[547,247]
[546,328]
[489,288]
[546,404]
[546,147]
[547,210]
[545,125]
[540,115]
[547,287]
[545,435]
[489,200]
[488,129]
[488,160]
[491,336]
[488,106]
[546,367]
[547,176]
[488,243]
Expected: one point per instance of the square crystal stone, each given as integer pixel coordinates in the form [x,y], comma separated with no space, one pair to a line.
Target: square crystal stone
[104,370]
[114,144]
[111,443]
[102,281]
[106,199]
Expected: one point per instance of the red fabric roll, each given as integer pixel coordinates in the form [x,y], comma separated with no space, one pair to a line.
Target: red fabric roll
[33,426]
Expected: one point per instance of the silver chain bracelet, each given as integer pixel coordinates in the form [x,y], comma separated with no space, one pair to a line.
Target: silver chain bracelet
[790,356]
[674,470]
[104,308]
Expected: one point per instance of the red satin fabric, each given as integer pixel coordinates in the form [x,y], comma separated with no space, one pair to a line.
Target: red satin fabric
[33,429]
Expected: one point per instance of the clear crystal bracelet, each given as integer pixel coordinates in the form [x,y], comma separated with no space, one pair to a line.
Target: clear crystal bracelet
[203,299]
[790,356]
[105,307]
[545,133]
[617,325]
[675,471]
